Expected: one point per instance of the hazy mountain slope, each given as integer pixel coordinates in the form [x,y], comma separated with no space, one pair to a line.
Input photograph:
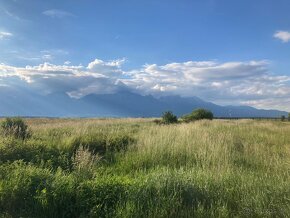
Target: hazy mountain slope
[122,104]
[184,105]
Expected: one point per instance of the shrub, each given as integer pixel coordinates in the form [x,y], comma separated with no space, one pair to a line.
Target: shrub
[198,114]
[288,116]
[15,127]
[283,118]
[168,117]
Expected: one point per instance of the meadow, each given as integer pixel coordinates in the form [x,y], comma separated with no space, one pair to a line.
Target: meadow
[136,168]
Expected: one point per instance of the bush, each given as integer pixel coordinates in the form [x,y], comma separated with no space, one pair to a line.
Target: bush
[15,127]
[283,118]
[198,114]
[168,117]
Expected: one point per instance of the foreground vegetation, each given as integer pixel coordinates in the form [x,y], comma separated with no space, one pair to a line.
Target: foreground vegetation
[135,168]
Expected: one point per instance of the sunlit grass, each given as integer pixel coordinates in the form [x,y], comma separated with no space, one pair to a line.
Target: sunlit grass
[135,168]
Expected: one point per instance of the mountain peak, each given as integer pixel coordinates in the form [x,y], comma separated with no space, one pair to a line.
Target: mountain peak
[124,103]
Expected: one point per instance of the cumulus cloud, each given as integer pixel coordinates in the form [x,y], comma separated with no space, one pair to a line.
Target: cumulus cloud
[110,68]
[284,36]
[225,83]
[188,77]
[55,13]
[248,83]
[76,81]
[5,35]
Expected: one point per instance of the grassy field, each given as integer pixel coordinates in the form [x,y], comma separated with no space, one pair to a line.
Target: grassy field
[135,168]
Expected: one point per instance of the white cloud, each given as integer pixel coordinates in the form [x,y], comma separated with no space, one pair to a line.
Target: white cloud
[5,35]
[270,103]
[76,81]
[225,83]
[189,76]
[284,36]
[111,68]
[55,13]
[248,83]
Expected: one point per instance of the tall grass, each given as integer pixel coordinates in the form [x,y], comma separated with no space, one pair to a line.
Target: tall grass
[134,168]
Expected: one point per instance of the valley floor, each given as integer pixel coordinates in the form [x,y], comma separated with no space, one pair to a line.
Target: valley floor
[136,168]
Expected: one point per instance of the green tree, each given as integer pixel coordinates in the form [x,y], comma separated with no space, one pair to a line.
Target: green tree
[168,117]
[198,114]
[289,117]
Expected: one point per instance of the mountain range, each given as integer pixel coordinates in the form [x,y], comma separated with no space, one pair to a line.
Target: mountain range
[121,104]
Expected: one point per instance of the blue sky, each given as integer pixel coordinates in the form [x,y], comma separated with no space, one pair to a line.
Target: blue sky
[225,51]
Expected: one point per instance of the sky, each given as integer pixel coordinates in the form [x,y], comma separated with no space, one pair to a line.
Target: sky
[230,52]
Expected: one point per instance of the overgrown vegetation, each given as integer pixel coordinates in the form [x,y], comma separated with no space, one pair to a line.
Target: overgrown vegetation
[15,127]
[133,168]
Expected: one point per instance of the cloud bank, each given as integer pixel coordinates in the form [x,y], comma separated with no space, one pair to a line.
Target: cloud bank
[248,83]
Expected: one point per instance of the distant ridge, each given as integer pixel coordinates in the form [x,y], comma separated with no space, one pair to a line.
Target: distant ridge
[121,104]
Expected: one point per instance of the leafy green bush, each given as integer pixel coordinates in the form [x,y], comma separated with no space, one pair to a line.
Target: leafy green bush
[198,114]
[15,127]
[168,117]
